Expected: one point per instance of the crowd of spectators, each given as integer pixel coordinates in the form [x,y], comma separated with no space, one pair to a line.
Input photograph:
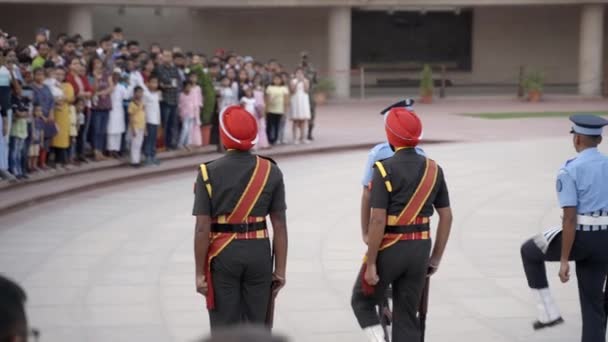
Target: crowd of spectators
[69,101]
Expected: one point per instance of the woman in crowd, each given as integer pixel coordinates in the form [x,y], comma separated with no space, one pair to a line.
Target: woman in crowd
[189,108]
[44,98]
[243,81]
[101,104]
[63,104]
[147,70]
[82,90]
[277,100]
[234,84]
[300,106]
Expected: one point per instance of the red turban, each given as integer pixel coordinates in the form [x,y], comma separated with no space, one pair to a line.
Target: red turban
[238,128]
[403,127]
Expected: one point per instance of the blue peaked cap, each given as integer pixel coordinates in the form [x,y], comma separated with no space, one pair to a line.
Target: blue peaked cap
[587,124]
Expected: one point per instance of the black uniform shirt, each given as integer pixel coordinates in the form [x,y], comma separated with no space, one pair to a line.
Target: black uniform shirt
[229,176]
[405,170]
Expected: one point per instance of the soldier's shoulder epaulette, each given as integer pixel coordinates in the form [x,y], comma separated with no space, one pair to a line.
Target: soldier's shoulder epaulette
[208,162]
[268,158]
[568,163]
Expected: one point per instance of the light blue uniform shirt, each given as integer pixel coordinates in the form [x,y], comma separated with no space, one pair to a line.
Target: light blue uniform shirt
[379,152]
[583,182]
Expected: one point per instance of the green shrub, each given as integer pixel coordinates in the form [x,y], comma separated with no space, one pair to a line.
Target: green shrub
[533,81]
[426,81]
[326,86]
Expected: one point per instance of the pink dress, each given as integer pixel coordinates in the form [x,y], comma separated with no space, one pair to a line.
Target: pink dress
[260,108]
[195,135]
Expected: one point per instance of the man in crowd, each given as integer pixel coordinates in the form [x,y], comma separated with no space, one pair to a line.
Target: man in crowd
[105,51]
[134,49]
[169,77]
[118,38]
[69,49]
[43,49]
[42,36]
[311,75]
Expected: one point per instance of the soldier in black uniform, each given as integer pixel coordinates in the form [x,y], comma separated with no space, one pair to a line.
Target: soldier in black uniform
[404,190]
[233,196]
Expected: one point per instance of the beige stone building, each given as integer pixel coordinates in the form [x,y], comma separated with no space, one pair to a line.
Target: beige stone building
[481,42]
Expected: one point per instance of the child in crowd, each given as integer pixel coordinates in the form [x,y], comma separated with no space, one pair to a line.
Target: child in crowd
[277,100]
[44,98]
[21,112]
[248,101]
[137,125]
[152,97]
[189,113]
[228,96]
[77,120]
[300,106]
[260,111]
[195,135]
[37,137]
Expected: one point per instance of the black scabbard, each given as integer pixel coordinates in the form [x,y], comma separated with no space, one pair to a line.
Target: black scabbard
[423,308]
[271,301]
[606,302]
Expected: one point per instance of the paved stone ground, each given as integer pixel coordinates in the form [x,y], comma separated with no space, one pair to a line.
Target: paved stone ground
[116,264]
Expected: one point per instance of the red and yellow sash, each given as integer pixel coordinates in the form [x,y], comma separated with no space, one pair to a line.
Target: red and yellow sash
[408,216]
[240,214]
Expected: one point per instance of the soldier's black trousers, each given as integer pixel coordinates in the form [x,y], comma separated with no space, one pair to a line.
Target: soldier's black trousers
[242,274]
[590,252]
[404,266]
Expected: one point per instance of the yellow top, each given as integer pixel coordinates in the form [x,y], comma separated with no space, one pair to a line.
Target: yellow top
[62,117]
[276,99]
[137,115]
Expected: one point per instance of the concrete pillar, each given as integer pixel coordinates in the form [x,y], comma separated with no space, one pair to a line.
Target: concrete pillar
[339,49]
[591,49]
[80,20]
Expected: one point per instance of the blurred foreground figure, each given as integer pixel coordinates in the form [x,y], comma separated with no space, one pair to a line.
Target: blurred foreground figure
[582,190]
[233,196]
[13,321]
[245,334]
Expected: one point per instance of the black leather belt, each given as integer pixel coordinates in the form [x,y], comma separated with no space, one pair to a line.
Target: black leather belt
[237,228]
[414,228]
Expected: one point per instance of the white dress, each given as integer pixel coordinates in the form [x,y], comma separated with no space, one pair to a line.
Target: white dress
[249,105]
[300,102]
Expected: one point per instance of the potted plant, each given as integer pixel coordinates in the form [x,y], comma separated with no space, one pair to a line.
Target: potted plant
[533,85]
[322,90]
[426,84]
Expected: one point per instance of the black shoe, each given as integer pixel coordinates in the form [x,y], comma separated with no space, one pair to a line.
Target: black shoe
[538,325]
